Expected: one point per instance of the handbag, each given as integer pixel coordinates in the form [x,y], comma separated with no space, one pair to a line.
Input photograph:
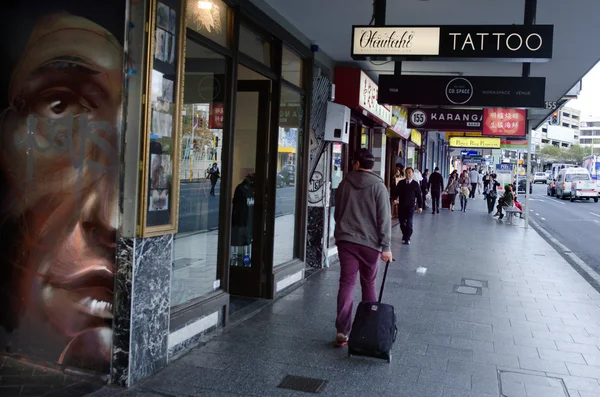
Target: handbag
[493,194]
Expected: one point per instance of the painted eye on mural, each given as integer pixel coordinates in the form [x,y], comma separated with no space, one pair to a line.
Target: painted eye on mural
[59,103]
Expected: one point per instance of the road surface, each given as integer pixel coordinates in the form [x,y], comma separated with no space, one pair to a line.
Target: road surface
[576,225]
[199,211]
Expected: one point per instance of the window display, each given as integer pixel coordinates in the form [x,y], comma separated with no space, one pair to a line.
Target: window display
[200,177]
[290,132]
[162,121]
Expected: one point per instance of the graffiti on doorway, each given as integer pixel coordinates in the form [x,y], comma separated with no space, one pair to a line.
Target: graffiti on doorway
[59,145]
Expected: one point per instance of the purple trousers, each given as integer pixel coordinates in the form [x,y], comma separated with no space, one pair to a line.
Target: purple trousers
[354,258]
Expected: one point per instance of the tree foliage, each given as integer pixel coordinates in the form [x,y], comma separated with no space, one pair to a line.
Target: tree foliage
[575,153]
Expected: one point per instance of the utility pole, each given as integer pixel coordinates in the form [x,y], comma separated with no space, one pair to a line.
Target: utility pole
[529,19]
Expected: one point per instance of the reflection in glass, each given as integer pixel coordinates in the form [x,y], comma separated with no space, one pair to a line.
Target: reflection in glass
[291,116]
[209,18]
[247,112]
[254,45]
[291,67]
[195,244]
[337,174]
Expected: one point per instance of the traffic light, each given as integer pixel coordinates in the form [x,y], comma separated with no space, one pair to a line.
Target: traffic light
[555,118]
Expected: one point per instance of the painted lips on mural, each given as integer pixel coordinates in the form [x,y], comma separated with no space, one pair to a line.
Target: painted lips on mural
[59,164]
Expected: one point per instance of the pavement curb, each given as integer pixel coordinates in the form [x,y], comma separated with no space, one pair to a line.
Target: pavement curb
[589,274]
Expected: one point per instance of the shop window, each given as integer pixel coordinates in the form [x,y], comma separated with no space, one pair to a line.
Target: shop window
[291,119]
[195,244]
[255,46]
[291,67]
[209,18]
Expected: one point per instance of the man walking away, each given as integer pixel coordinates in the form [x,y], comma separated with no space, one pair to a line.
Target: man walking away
[425,187]
[408,191]
[474,178]
[363,230]
[436,186]
[213,175]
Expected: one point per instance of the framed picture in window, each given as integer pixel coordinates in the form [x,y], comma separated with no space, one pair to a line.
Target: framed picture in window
[162,100]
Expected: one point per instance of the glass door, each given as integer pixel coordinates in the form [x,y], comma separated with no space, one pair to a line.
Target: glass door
[248,185]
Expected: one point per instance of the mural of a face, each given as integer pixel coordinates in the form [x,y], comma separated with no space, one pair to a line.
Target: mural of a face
[59,157]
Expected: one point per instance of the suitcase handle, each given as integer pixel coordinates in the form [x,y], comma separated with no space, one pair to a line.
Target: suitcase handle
[387,265]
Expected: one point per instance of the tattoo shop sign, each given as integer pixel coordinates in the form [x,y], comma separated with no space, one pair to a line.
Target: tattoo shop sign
[512,43]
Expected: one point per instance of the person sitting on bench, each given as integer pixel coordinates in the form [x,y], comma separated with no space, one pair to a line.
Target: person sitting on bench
[507,200]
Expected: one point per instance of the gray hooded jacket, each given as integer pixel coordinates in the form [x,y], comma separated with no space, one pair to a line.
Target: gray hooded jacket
[362,211]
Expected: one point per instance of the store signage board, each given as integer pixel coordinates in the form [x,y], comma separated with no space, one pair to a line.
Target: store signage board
[507,92]
[415,137]
[474,142]
[451,134]
[439,119]
[368,99]
[398,124]
[469,152]
[504,122]
[511,43]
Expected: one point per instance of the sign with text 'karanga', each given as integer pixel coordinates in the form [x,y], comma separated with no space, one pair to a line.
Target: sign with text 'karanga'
[474,142]
[515,43]
[439,119]
[506,92]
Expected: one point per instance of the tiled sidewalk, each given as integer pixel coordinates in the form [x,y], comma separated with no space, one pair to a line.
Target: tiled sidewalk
[533,329]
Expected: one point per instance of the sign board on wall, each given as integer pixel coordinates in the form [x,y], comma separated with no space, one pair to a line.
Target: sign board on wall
[415,137]
[504,122]
[516,92]
[560,133]
[368,94]
[356,90]
[445,119]
[515,43]
[451,134]
[399,122]
[475,142]
[215,121]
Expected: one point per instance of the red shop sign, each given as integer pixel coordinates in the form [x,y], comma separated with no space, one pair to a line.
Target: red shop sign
[216,116]
[504,122]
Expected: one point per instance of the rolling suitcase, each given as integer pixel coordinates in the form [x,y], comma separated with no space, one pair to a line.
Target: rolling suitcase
[374,328]
[445,201]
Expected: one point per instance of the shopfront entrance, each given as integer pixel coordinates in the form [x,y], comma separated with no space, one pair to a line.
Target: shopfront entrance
[252,110]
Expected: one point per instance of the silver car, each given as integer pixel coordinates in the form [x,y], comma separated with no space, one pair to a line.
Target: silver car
[540,177]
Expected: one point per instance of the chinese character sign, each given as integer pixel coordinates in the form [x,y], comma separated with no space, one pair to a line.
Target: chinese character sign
[504,122]
[216,116]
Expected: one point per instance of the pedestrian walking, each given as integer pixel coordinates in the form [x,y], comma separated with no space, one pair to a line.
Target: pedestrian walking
[425,187]
[409,191]
[474,180]
[464,187]
[452,189]
[491,192]
[436,186]
[363,230]
[213,175]
[396,178]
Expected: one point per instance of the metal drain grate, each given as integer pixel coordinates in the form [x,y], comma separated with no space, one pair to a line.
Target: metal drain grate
[301,383]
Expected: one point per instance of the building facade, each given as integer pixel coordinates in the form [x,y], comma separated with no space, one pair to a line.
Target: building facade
[164,172]
[562,129]
[590,134]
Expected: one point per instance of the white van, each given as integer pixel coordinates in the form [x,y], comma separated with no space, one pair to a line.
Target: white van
[576,183]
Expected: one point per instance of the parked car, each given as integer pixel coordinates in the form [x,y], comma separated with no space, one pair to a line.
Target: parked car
[522,184]
[540,177]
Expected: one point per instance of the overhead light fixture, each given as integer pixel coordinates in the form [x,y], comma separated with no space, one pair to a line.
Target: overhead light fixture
[205,5]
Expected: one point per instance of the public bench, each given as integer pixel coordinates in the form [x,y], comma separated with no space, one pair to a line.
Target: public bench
[512,213]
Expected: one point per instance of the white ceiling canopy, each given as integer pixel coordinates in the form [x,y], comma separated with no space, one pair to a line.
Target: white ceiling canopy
[576,31]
